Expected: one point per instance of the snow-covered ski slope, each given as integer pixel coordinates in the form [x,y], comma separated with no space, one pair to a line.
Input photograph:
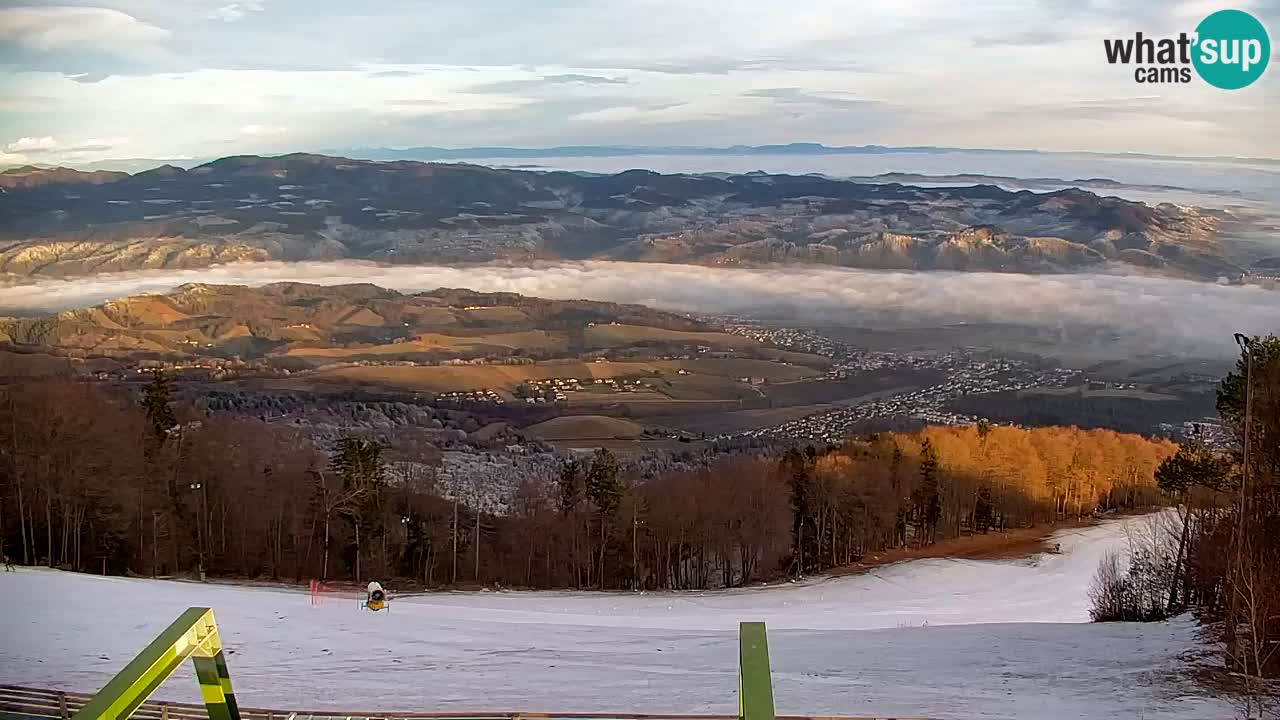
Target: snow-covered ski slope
[937,638]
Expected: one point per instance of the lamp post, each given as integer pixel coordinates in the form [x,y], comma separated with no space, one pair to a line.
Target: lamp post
[197,486]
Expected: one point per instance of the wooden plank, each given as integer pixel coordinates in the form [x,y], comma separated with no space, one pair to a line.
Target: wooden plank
[26,702]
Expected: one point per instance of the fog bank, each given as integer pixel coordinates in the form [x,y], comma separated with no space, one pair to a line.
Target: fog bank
[1161,314]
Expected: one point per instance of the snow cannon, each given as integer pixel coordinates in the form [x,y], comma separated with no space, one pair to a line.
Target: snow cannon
[375,598]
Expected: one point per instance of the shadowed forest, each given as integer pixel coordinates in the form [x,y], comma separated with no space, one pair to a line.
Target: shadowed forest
[98,480]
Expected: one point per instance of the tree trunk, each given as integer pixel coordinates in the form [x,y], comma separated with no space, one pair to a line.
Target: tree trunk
[324,574]
[48,528]
[142,532]
[79,533]
[155,543]
[1177,562]
[603,544]
[66,535]
[22,526]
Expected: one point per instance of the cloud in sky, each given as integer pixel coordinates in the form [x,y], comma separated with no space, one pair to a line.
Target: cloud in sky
[1038,36]
[232,12]
[1152,315]
[32,144]
[28,149]
[982,74]
[545,81]
[64,28]
[256,130]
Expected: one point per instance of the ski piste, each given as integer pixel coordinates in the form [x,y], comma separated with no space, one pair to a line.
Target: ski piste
[194,635]
[924,638]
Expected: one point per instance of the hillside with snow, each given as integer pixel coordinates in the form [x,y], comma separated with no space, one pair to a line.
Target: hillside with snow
[935,638]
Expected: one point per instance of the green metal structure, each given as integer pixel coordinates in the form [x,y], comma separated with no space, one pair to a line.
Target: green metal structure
[755,685]
[193,635]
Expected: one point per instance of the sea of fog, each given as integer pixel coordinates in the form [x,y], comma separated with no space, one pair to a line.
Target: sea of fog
[1137,313]
[1156,315]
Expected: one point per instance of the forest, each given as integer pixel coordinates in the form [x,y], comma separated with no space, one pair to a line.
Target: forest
[99,479]
[1219,557]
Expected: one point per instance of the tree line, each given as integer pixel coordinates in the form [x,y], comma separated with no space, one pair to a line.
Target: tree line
[98,479]
[1222,558]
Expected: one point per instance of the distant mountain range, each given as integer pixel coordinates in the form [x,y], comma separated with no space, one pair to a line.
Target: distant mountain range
[472,153]
[797,148]
[430,153]
[64,222]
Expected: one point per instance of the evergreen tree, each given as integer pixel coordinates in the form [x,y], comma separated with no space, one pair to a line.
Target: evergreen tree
[1193,465]
[358,462]
[928,501]
[798,469]
[605,490]
[569,483]
[1233,396]
[895,482]
[602,484]
[982,510]
[157,402]
[984,429]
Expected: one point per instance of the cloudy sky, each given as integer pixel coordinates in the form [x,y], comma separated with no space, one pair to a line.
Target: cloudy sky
[82,81]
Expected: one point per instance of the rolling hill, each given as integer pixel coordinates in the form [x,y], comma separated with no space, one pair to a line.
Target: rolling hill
[60,222]
[304,325]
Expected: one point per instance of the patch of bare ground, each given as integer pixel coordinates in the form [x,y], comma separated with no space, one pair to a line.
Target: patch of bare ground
[1011,544]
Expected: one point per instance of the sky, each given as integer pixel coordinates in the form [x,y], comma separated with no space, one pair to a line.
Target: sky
[98,79]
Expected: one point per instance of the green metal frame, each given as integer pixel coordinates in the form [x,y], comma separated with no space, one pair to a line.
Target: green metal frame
[755,686]
[193,635]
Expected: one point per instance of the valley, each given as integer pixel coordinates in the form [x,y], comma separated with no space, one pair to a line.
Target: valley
[471,372]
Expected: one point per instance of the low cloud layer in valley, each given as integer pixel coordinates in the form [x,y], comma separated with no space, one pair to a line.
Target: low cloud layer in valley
[1153,315]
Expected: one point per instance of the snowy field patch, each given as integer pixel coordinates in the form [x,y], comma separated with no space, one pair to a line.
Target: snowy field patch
[937,638]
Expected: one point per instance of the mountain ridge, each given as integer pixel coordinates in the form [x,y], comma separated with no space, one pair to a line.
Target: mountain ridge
[221,320]
[306,206]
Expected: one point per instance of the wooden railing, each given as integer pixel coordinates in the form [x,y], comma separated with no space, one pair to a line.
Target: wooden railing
[24,703]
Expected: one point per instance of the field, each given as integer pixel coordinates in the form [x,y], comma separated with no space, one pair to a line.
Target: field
[1134,393]
[857,386]
[946,638]
[584,427]
[821,362]
[447,378]
[610,335]
[437,344]
[745,367]
[714,423]
[498,315]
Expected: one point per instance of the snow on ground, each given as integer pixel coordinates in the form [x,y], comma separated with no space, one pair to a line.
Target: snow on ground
[936,638]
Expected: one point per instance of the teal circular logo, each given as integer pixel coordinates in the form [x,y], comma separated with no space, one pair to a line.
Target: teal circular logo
[1232,49]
